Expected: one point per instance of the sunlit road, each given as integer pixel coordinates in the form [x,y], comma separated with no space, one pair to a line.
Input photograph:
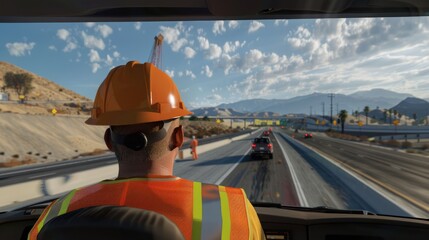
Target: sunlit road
[297,175]
[404,175]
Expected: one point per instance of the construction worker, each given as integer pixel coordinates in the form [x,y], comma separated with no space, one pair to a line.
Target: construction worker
[194,145]
[142,106]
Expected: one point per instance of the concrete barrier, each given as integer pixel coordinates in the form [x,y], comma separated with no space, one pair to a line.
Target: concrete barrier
[186,153]
[36,189]
[20,193]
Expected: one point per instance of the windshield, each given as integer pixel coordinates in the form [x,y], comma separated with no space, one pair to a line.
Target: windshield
[343,102]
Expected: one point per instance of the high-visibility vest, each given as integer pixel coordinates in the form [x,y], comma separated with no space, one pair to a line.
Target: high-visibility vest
[200,211]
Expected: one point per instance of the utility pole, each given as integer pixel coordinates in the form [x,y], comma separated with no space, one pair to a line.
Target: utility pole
[323,110]
[331,96]
[311,111]
[337,109]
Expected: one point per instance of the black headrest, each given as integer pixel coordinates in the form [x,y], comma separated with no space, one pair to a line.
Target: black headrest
[110,223]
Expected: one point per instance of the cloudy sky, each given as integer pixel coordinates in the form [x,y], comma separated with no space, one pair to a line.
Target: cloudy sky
[226,61]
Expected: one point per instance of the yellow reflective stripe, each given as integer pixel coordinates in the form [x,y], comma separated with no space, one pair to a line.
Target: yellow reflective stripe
[226,219]
[66,202]
[39,227]
[197,211]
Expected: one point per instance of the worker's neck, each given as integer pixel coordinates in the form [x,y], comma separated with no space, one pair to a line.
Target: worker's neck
[133,169]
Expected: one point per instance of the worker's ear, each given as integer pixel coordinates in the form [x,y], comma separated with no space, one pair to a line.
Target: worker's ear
[177,137]
[108,139]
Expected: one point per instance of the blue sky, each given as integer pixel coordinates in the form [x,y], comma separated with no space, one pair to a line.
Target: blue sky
[226,61]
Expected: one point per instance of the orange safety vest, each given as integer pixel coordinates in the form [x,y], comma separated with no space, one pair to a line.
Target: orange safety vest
[201,211]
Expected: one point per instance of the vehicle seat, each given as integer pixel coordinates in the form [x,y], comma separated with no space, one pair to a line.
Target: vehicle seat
[110,223]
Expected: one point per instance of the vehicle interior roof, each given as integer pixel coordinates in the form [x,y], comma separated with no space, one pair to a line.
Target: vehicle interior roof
[164,10]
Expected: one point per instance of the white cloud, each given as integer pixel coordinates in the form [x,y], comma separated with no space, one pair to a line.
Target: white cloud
[279,22]
[215,97]
[190,74]
[172,36]
[230,47]
[255,26]
[92,42]
[200,31]
[52,47]
[116,54]
[180,74]
[63,34]
[70,46]
[95,67]
[104,30]
[189,52]
[218,27]
[90,24]
[170,73]
[177,45]
[233,24]
[109,60]
[137,25]
[213,52]
[94,56]
[19,49]
[204,43]
[206,70]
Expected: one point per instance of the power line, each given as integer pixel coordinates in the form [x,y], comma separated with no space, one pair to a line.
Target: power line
[331,96]
[323,110]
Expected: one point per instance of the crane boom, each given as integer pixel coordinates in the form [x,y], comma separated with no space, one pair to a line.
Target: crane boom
[156,53]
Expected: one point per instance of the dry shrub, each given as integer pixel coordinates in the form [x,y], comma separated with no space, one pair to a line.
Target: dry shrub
[406,145]
[363,138]
[343,136]
[95,152]
[391,143]
[411,151]
[425,146]
[13,162]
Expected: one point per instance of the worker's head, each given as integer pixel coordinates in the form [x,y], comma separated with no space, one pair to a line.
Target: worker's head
[141,104]
[193,137]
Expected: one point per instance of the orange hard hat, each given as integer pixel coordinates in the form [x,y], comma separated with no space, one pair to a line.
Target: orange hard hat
[136,93]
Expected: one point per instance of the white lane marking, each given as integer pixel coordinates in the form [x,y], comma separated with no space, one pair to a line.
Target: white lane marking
[225,175]
[301,197]
[371,185]
[41,175]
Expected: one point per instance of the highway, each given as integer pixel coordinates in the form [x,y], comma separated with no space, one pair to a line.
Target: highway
[404,176]
[303,172]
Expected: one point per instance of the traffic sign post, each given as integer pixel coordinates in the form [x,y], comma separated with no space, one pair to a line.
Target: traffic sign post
[54,111]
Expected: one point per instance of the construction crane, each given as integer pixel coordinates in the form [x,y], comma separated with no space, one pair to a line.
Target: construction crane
[156,54]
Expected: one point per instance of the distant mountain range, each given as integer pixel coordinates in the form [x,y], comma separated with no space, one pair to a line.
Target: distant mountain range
[375,98]
[411,106]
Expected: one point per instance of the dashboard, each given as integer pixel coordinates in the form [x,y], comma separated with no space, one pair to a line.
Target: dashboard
[278,223]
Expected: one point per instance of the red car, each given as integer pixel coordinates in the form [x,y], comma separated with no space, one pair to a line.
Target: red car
[308,135]
[266,133]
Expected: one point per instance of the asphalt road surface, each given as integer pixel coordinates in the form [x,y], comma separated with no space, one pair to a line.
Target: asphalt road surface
[296,176]
[404,175]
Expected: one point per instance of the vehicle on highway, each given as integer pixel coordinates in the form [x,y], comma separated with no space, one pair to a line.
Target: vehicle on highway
[262,147]
[308,135]
[356,66]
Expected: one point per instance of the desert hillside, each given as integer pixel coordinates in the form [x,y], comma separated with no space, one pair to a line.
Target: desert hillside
[45,96]
[37,138]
